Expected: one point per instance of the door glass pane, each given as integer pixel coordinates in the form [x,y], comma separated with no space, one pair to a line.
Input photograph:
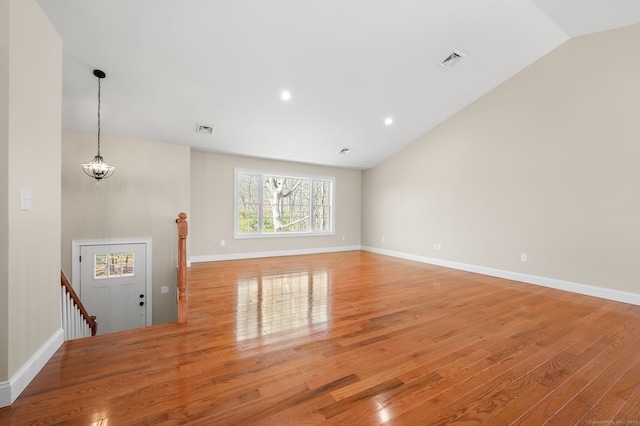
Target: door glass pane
[114,265]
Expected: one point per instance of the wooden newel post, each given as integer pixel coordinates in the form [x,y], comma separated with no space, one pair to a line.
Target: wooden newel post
[182,268]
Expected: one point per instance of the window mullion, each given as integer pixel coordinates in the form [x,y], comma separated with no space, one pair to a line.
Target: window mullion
[261,203]
[311,205]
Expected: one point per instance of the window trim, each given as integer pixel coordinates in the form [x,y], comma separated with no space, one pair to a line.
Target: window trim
[245,235]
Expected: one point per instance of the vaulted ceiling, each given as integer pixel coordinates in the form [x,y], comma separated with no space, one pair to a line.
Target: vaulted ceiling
[348,65]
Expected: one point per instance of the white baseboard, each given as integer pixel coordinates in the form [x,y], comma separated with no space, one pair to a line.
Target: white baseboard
[254,255]
[588,290]
[9,391]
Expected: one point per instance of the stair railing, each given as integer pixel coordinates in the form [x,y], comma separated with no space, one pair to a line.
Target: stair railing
[183,308]
[76,322]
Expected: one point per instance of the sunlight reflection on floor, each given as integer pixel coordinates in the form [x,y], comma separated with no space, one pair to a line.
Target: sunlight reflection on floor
[281,303]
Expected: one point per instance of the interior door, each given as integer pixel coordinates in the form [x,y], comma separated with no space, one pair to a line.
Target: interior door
[113,285]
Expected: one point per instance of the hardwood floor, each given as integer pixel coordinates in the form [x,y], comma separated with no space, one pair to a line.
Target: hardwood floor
[352,338]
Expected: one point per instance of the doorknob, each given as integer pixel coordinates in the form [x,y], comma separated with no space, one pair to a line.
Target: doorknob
[141,303]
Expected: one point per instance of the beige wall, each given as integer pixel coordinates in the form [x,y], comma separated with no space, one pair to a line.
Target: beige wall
[4,189]
[211,221]
[142,199]
[546,164]
[31,78]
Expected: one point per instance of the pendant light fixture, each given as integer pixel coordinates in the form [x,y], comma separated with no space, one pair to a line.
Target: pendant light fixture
[97,168]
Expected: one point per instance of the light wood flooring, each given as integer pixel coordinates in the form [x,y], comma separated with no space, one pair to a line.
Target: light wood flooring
[352,338]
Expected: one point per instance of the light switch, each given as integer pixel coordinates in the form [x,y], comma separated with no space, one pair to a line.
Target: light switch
[25,199]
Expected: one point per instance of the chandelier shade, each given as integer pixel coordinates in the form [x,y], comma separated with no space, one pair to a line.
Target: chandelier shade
[98,168]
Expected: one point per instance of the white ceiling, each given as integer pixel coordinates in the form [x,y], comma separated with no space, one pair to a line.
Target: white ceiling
[348,64]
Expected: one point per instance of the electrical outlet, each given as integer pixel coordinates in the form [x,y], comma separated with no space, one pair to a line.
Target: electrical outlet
[382,239]
[222,243]
[523,257]
[164,289]
[343,238]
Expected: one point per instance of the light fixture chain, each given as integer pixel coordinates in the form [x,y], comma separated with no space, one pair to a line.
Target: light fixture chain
[99,87]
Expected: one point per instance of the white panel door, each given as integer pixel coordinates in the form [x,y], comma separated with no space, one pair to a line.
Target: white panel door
[113,285]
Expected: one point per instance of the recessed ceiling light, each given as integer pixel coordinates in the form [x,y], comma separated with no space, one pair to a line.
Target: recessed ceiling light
[388,121]
[285,95]
[450,60]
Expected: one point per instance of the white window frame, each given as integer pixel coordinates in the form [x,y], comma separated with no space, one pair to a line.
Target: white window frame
[242,235]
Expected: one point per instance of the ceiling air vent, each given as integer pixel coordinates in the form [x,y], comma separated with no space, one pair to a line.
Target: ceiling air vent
[452,59]
[204,129]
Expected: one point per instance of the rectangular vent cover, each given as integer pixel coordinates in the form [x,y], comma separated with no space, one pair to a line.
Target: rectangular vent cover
[204,129]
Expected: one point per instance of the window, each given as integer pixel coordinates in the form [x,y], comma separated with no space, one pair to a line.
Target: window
[273,204]
[113,265]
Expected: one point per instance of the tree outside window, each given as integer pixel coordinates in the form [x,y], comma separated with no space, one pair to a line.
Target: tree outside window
[274,204]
